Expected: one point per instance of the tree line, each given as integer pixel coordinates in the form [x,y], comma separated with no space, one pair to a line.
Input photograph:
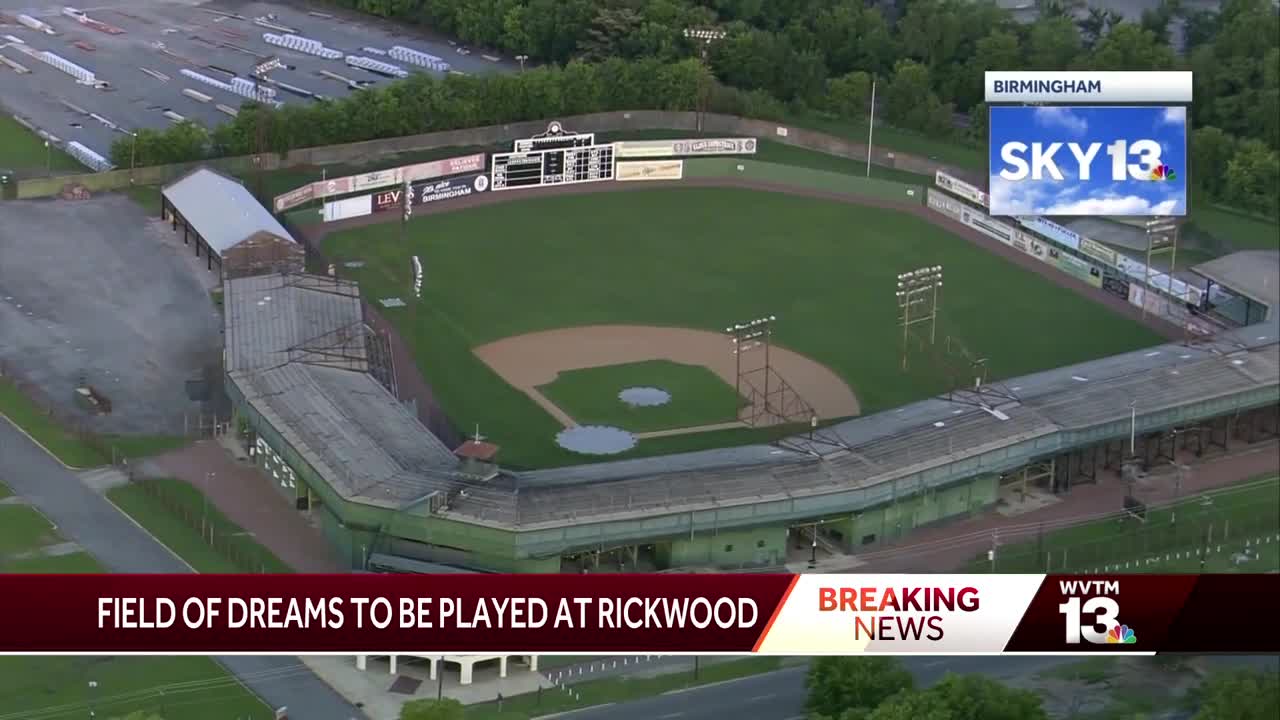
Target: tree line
[797,58]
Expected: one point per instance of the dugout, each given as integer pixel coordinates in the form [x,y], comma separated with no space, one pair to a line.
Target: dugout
[228,227]
[1242,288]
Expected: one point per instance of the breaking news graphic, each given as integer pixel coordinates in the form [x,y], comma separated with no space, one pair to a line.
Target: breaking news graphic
[665,614]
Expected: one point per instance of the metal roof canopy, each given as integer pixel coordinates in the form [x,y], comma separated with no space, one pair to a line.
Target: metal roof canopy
[1252,273]
[220,209]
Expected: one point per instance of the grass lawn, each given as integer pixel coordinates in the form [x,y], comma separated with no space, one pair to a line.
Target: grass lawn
[193,688]
[167,519]
[698,396]
[1169,541]
[69,447]
[22,150]
[948,151]
[616,690]
[1234,230]
[701,258]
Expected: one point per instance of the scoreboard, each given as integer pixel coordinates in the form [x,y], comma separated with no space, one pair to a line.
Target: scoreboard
[560,166]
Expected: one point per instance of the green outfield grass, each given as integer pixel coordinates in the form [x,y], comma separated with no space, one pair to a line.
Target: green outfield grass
[24,152]
[701,258]
[1214,526]
[56,688]
[698,396]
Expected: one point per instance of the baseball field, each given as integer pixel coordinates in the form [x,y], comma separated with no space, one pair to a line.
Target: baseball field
[521,300]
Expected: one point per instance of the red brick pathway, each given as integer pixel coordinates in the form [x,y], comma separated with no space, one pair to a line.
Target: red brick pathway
[946,548]
[248,497]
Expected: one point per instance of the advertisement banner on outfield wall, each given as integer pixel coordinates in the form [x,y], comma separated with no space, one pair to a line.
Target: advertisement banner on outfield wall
[329,188]
[987,226]
[956,186]
[678,148]
[348,208]
[450,188]
[1051,230]
[649,170]
[295,197]
[1097,251]
[944,204]
[1116,286]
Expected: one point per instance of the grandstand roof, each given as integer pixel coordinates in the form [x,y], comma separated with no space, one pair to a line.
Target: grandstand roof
[284,356]
[222,210]
[1253,273]
[896,443]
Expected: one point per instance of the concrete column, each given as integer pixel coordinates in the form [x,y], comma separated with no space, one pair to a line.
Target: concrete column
[533,662]
[393,664]
[502,666]
[362,662]
[464,671]
[435,667]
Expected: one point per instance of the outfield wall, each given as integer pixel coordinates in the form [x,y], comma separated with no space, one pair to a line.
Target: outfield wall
[490,135]
[820,180]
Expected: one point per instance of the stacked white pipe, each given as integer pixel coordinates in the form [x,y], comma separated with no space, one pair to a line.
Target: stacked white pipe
[81,75]
[376,66]
[237,86]
[302,45]
[419,58]
[35,24]
[87,157]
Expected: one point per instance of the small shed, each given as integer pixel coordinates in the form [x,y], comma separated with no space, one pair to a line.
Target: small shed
[1243,287]
[228,226]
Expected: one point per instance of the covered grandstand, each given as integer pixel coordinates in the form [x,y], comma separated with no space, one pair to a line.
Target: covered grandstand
[392,489]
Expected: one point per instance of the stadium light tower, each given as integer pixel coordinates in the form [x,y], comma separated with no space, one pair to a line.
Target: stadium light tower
[750,336]
[1162,234]
[704,37]
[917,295]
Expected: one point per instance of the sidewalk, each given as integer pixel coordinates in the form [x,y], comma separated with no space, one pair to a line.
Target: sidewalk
[945,548]
[246,496]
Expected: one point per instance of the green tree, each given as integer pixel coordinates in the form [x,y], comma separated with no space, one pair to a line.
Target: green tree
[1211,151]
[1052,43]
[840,684]
[978,697]
[1130,47]
[912,706]
[911,103]
[446,709]
[1240,695]
[850,95]
[1253,178]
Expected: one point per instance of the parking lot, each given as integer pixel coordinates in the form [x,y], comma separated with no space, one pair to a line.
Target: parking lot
[95,291]
[217,39]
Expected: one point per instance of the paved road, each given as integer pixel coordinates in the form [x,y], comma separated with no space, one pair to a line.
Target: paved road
[83,516]
[780,695]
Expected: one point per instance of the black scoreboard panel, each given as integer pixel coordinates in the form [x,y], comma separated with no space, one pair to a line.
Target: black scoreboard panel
[589,163]
[554,142]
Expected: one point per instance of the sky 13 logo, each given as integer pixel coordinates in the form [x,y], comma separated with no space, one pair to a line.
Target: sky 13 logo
[1039,160]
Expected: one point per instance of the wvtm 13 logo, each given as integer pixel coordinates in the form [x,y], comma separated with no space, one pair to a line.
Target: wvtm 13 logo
[1044,157]
[1095,619]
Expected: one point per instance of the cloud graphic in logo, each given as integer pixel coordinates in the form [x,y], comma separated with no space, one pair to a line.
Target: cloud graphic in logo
[1174,115]
[1121,635]
[1063,118]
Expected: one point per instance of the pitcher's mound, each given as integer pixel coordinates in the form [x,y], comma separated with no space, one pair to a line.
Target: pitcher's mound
[596,440]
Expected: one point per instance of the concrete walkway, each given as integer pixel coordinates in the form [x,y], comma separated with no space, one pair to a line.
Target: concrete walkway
[86,518]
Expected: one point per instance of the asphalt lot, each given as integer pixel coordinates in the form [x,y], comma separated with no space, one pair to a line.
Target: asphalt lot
[95,289]
[167,36]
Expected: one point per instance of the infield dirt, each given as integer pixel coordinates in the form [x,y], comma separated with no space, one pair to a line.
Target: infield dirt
[533,359]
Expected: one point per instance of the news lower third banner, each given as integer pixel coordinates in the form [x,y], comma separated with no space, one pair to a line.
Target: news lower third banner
[659,614]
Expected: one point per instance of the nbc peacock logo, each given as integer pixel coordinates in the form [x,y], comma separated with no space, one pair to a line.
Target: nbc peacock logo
[1163,173]
[1121,635]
